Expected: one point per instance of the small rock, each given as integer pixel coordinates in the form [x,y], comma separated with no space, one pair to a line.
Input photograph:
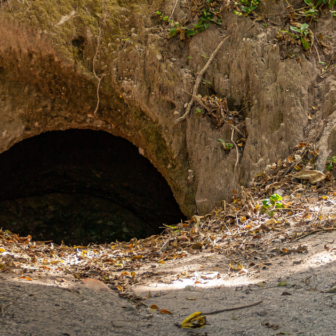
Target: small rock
[173,59]
[176,113]
[280,192]
[95,285]
[153,266]
[297,262]
[262,313]
[130,308]
[296,50]
[189,288]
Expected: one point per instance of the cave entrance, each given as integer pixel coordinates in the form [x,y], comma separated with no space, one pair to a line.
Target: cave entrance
[81,187]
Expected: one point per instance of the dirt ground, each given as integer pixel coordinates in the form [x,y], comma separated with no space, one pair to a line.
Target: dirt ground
[293,290]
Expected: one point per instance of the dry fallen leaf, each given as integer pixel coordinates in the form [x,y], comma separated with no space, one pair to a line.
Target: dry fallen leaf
[165,311]
[26,278]
[313,176]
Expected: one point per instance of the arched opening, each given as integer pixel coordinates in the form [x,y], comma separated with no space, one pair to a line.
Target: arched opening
[82,186]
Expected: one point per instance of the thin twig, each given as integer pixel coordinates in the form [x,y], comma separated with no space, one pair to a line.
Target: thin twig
[318,55]
[198,80]
[172,13]
[235,308]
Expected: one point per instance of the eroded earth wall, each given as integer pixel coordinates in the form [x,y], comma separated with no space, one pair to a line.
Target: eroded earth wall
[51,51]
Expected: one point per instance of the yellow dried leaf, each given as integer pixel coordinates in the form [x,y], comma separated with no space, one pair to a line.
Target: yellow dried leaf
[2,250]
[26,278]
[194,321]
[161,261]
[236,268]
[154,307]
[133,274]
[137,257]
[119,288]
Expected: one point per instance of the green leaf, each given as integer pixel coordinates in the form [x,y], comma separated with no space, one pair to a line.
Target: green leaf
[297,30]
[279,206]
[191,32]
[173,32]
[229,145]
[206,25]
[332,3]
[271,213]
[221,140]
[304,26]
[282,283]
[305,43]
[158,13]
[329,166]
[308,2]
[276,198]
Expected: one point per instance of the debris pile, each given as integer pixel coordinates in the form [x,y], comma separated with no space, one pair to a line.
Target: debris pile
[279,206]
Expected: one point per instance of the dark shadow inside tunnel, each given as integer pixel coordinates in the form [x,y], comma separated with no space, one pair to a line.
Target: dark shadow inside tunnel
[80,187]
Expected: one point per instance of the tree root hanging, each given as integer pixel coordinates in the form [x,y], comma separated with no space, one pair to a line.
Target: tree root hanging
[199,79]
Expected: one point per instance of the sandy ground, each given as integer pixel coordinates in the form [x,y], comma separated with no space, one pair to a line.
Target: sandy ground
[54,306]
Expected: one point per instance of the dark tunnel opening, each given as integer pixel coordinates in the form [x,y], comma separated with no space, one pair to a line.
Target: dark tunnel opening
[81,187]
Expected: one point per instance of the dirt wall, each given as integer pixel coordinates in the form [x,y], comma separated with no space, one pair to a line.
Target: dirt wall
[47,82]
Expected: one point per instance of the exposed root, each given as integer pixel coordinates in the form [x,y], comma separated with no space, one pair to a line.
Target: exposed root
[235,146]
[172,13]
[199,79]
[235,308]
[99,79]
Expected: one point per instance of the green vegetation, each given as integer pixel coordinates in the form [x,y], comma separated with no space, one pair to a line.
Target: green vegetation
[227,146]
[330,163]
[209,15]
[271,204]
[246,7]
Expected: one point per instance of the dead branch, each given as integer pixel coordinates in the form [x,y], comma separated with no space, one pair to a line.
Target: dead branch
[199,78]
